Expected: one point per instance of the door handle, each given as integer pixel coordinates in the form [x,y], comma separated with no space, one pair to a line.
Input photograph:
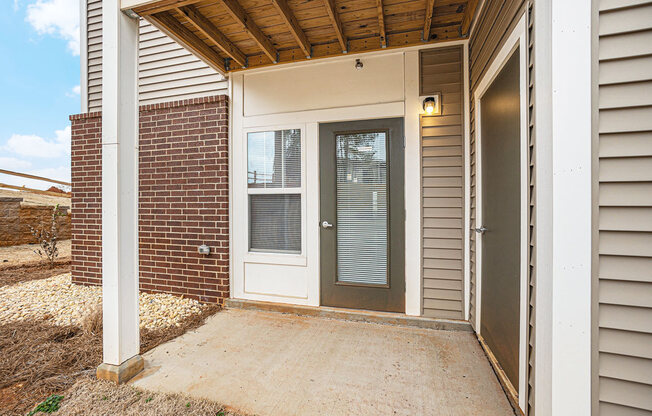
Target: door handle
[480,230]
[326,224]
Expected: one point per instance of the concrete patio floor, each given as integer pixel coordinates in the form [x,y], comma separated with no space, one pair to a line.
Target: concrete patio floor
[267,363]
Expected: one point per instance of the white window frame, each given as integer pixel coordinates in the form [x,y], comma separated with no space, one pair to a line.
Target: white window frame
[279,258]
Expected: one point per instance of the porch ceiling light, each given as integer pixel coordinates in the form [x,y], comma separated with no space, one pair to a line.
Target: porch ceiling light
[429,105]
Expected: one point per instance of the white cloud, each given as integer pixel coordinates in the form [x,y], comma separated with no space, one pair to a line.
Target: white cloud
[74,92]
[35,146]
[11,163]
[56,17]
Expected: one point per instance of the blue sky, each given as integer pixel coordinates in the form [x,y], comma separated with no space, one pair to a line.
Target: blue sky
[39,87]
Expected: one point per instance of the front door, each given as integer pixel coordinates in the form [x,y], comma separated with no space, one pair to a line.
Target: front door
[362,215]
[501,195]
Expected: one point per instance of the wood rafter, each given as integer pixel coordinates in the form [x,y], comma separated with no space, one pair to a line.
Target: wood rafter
[209,30]
[287,15]
[381,23]
[430,11]
[471,6]
[331,8]
[182,35]
[240,15]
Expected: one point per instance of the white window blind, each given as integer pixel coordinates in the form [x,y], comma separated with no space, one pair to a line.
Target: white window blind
[274,188]
[362,208]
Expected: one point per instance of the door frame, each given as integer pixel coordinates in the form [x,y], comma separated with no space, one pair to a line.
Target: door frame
[517,39]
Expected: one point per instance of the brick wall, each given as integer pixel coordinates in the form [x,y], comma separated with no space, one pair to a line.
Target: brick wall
[183,198]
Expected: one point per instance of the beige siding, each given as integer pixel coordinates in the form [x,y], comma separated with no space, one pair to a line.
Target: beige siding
[167,72]
[495,22]
[624,246]
[442,192]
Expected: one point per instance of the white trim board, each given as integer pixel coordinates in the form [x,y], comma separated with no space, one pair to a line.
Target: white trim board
[517,39]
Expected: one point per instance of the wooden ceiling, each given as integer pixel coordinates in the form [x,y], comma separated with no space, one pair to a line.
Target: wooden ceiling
[232,35]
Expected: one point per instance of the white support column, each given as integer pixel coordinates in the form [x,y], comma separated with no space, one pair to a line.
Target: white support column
[564,214]
[120,194]
[413,110]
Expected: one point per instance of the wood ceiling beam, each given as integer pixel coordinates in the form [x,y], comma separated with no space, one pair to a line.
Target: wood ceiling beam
[167,24]
[295,29]
[469,13]
[430,11]
[331,8]
[381,23]
[240,15]
[209,30]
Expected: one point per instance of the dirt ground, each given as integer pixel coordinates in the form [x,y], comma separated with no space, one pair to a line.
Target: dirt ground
[93,397]
[35,199]
[24,254]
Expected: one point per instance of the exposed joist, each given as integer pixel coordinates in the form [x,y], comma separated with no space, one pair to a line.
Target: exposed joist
[471,6]
[430,11]
[208,29]
[240,15]
[288,16]
[182,35]
[331,8]
[381,23]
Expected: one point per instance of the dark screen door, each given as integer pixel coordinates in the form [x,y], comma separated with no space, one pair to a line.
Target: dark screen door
[362,215]
[501,194]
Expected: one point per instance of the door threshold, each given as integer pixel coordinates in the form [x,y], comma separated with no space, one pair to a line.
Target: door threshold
[355,315]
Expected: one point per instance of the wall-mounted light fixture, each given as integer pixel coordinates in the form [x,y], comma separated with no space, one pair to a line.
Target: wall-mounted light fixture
[432,105]
[358,64]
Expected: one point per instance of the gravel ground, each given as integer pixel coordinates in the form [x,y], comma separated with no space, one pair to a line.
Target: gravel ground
[59,301]
[24,254]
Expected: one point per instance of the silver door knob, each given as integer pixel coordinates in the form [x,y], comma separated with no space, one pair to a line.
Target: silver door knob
[480,230]
[326,224]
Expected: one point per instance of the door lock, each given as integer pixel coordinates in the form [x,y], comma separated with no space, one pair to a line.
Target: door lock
[326,224]
[480,230]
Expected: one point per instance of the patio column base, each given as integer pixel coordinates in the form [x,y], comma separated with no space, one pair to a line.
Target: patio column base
[122,373]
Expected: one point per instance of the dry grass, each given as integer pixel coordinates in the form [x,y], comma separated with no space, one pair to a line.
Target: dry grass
[10,275]
[94,397]
[38,359]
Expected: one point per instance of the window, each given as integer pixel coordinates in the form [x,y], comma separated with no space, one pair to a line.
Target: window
[274,191]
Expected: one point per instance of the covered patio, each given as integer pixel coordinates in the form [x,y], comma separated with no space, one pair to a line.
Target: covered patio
[269,363]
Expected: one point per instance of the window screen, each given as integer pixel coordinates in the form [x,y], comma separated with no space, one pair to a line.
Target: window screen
[274,188]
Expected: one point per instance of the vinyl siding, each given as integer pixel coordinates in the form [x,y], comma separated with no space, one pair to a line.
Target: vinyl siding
[493,25]
[624,246]
[442,185]
[167,72]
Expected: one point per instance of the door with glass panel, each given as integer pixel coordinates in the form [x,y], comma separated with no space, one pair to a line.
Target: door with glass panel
[362,238]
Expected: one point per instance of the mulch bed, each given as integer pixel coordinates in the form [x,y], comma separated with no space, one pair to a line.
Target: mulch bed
[38,359]
[10,275]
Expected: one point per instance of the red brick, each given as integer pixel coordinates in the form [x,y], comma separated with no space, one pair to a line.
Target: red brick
[183,198]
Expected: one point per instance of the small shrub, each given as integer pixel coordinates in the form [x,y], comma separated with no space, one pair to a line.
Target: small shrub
[49,405]
[47,239]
